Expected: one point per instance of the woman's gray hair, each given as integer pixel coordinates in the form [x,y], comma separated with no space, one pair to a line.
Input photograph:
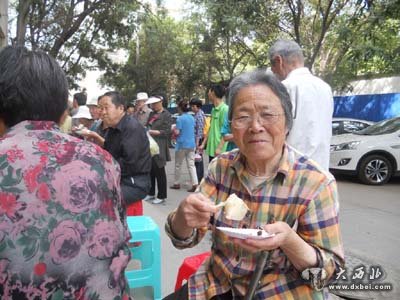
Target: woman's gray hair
[290,51]
[261,77]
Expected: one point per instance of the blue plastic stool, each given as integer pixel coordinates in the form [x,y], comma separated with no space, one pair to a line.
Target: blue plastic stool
[144,230]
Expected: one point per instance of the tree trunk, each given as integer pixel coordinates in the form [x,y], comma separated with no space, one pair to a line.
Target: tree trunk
[23,10]
[3,22]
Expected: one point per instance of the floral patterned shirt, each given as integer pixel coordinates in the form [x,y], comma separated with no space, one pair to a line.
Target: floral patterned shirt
[63,232]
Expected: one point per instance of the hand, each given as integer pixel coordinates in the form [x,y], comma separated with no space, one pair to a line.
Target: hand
[195,211]
[217,151]
[154,132]
[283,233]
[87,133]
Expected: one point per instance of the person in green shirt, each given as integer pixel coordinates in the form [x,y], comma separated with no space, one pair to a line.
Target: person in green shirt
[216,95]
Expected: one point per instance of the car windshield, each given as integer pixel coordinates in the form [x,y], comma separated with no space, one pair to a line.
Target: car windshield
[383,127]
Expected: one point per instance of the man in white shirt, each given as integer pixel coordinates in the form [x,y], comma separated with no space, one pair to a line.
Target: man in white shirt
[312,102]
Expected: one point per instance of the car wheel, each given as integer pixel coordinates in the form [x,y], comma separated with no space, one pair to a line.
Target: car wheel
[375,170]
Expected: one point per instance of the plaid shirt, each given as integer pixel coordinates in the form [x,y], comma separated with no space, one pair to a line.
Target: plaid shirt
[199,121]
[300,191]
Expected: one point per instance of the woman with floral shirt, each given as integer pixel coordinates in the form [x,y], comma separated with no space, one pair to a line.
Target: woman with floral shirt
[62,230]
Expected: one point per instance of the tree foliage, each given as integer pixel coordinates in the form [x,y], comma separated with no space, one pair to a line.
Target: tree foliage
[342,39]
[78,33]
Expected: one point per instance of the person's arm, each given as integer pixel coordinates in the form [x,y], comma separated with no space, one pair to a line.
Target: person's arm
[225,134]
[178,126]
[220,146]
[193,212]
[200,119]
[204,143]
[163,126]
[94,136]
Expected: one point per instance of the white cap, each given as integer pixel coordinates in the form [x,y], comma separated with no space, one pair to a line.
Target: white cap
[153,100]
[142,96]
[92,101]
[83,112]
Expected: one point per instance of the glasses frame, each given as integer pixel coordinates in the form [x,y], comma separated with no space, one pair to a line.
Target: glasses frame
[272,119]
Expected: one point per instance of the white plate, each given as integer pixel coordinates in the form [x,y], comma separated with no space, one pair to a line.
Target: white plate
[246,233]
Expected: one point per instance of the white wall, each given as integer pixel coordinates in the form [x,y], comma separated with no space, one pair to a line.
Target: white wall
[375,86]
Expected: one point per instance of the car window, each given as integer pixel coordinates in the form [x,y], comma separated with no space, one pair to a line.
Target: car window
[383,127]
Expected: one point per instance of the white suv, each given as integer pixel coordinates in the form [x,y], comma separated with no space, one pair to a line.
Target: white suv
[373,154]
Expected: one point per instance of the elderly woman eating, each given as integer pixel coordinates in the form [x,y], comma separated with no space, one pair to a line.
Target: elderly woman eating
[289,196]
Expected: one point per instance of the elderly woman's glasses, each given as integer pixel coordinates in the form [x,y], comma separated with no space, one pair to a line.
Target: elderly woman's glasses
[264,118]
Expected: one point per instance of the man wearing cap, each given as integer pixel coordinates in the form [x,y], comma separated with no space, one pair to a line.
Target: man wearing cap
[95,112]
[78,100]
[83,119]
[142,111]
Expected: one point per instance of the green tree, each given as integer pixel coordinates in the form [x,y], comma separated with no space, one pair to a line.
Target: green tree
[78,33]
[152,57]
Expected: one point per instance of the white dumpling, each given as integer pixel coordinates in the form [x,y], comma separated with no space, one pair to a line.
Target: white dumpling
[235,208]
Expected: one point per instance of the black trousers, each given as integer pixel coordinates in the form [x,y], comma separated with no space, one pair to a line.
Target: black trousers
[183,294]
[158,174]
[199,169]
[200,165]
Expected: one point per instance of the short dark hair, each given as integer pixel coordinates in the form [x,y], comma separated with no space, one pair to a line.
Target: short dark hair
[116,98]
[80,98]
[197,102]
[260,76]
[32,86]
[184,105]
[218,89]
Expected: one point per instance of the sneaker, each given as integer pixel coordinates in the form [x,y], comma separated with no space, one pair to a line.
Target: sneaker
[158,201]
[149,198]
[175,186]
[193,189]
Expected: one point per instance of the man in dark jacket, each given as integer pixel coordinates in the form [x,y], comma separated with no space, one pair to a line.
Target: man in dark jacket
[127,142]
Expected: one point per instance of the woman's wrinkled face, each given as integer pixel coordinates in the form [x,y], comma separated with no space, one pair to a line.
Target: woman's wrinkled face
[260,116]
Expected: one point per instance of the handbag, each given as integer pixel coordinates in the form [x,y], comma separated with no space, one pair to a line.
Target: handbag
[154,148]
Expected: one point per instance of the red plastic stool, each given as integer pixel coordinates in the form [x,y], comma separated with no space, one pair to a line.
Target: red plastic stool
[189,266]
[135,209]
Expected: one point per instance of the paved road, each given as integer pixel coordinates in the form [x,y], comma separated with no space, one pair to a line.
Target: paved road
[370,218]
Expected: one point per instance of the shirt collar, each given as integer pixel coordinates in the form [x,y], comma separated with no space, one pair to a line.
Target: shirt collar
[219,106]
[239,162]
[35,125]
[298,71]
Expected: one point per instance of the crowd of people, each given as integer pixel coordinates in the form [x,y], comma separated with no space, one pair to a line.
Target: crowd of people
[70,176]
